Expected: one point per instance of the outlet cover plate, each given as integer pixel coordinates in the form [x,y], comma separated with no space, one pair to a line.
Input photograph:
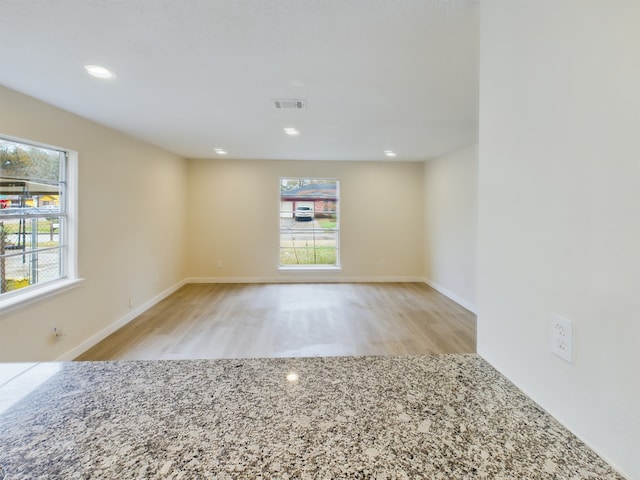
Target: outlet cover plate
[562,337]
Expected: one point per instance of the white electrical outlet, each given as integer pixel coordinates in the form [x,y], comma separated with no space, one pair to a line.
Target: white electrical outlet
[562,337]
[57,333]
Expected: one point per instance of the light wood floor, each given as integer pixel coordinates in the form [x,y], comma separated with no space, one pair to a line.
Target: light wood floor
[293,320]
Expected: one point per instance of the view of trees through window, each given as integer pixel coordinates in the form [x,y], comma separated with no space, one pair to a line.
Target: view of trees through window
[32,214]
[309,222]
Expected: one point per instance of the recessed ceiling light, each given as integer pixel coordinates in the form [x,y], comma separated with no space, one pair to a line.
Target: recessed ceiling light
[389,153]
[292,377]
[98,71]
[291,131]
[220,151]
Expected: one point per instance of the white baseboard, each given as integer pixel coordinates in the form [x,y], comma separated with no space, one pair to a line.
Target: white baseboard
[121,322]
[303,278]
[453,296]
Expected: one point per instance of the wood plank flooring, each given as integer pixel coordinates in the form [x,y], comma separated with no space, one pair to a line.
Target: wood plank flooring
[293,320]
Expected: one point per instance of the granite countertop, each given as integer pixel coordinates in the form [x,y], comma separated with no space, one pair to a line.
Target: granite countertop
[414,417]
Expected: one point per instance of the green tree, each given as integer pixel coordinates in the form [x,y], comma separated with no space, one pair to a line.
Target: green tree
[288,184]
[26,162]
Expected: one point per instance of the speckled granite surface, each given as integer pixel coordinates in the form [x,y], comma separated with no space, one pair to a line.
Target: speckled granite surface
[431,417]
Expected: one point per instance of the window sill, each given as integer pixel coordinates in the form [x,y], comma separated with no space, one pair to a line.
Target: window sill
[37,293]
[309,268]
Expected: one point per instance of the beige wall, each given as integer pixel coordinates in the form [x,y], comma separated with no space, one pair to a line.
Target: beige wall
[149,219]
[450,199]
[233,218]
[131,230]
[559,203]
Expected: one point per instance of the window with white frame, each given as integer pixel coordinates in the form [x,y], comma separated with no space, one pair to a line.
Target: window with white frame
[309,223]
[36,245]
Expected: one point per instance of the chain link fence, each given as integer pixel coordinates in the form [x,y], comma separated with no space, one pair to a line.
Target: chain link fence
[30,252]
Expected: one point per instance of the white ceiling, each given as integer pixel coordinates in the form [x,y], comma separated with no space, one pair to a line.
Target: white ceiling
[193,75]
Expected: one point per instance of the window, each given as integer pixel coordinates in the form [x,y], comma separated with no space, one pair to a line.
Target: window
[37,248]
[309,223]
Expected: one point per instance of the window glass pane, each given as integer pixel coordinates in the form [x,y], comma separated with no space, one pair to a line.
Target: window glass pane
[22,270]
[309,222]
[32,215]
[29,233]
[29,163]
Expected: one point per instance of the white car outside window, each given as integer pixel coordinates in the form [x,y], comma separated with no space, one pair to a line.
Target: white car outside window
[304,213]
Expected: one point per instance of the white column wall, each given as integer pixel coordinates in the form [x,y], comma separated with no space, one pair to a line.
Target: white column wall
[559,210]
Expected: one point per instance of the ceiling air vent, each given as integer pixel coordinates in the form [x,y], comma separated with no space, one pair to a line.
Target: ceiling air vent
[290,103]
